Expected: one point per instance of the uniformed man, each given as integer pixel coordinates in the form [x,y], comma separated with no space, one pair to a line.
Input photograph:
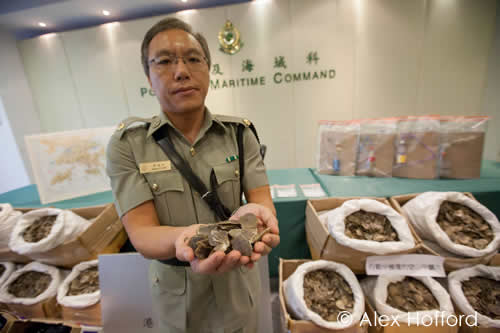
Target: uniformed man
[160,208]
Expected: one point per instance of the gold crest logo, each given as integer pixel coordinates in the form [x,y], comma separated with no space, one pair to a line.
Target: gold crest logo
[229,39]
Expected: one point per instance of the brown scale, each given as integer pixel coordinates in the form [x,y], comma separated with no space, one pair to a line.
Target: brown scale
[327,294]
[2,270]
[410,295]
[369,226]
[39,229]
[30,284]
[86,282]
[483,295]
[464,226]
[226,236]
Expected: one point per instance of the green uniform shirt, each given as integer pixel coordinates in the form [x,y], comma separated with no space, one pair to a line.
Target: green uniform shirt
[140,171]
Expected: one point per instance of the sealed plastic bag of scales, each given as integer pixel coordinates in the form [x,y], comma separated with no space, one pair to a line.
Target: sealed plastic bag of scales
[417,148]
[370,226]
[461,150]
[337,145]
[476,291]
[322,291]
[376,147]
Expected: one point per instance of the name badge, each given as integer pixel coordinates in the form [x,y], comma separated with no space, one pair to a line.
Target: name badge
[155,166]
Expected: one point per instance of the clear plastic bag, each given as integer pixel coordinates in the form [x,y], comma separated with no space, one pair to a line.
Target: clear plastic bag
[376,147]
[417,148]
[338,144]
[461,149]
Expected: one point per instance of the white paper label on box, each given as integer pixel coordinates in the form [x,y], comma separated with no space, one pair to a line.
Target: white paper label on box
[312,190]
[285,191]
[406,264]
[91,329]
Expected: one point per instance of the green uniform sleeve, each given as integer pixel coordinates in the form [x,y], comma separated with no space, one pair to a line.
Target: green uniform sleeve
[130,188]
[255,170]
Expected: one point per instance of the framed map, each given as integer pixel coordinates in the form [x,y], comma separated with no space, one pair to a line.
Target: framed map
[69,164]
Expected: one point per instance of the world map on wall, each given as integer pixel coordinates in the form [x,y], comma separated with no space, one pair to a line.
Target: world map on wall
[77,152]
[69,164]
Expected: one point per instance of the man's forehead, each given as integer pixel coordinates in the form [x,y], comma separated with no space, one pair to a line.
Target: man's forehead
[173,41]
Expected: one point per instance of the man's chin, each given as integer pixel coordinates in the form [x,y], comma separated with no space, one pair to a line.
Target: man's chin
[186,108]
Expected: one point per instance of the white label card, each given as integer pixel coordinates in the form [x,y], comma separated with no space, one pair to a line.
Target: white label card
[285,191]
[406,264]
[312,190]
[91,329]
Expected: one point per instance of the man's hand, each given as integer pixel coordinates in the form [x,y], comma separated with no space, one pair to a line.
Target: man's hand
[266,220]
[217,262]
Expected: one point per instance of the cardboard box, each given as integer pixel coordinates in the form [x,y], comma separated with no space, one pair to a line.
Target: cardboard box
[323,246]
[10,321]
[403,327]
[24,325]
[287,267]
[7,254]
[495,260]
[105,235]
[464,328]
[87,316]
[42,310]
[478,329]
[450,263]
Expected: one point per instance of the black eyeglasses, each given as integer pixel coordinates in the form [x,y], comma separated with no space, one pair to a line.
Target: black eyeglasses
[195,63]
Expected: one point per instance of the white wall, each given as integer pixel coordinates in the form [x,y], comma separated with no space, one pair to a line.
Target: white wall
[12,172]
[491,99]
[392,58]
[17,100]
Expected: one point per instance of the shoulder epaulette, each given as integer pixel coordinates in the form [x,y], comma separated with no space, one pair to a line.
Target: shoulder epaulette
[123,126]
[233,119]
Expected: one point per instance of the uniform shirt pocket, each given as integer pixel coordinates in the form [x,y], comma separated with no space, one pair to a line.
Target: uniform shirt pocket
[163,181]
[168,191]
[228,184]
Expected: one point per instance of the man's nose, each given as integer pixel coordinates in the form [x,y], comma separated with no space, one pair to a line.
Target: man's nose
[181,72]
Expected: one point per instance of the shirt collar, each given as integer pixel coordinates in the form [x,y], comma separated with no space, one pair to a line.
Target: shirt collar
[159,120]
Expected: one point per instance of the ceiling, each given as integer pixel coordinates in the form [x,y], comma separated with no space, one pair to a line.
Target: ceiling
[21,17]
